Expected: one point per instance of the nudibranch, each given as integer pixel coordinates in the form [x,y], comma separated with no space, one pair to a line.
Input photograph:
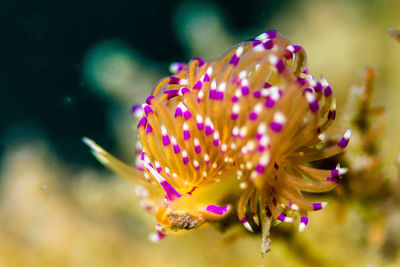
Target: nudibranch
[255,115]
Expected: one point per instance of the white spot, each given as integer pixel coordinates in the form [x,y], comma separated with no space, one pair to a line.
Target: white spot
[233,146]
[183,81]
[138,146]
[251,145]
[223,147]
[324,82]
[204,173]
[333,104]
[216,135]
[249,165]
[200,95]
[264,140]
[163,130]
[209,71]
[196,142]
[247,226]
[311,80]
[154,238]
[262,37]
[243,185]
[222,87]
[235,131]
[242,74]
[214,165]
[243,131]
[147,159]
[265,92]
[174,175]
[173,140]
[185,126]
[279,117]
[184,153]
[182,106]
[288,219]
[347,134]
[262,128]
[213,85]
[273,59]
[258,48]
[209,122]
[196,163]
[258,108]
[236,108]
[310,97]
[302,226]
[173,68]
[239,51]
[264,160]
[238,93]
[199,118]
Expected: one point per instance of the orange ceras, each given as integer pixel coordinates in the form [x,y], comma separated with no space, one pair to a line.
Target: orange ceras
[256,115]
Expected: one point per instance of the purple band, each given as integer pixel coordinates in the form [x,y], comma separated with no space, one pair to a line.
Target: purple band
[343,142]
[276,127]
[142,122]
[256,42]
[165,140]
[198,85]
[234,60]
[280,66]
[201,61]
[332,114]
[170,191]
[327,91]
[245,90]
[217,209]
[186,135]
[314,106]
[304,220]
[317,206]
[173,80]
[281,217]
[148,99]
[268,44]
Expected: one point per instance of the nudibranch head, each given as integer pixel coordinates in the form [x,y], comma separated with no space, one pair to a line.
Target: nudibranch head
[256,115]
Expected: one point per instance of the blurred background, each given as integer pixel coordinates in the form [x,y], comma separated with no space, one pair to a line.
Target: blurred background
[75,68]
